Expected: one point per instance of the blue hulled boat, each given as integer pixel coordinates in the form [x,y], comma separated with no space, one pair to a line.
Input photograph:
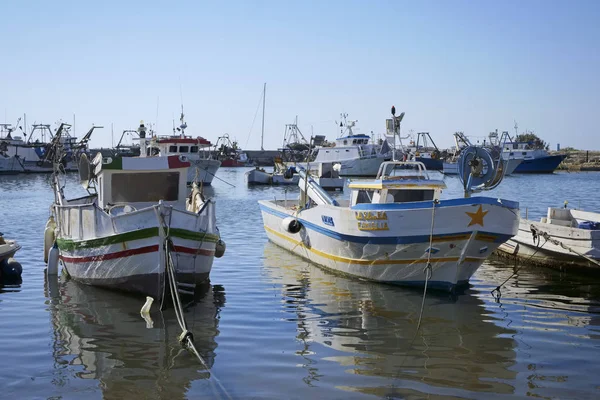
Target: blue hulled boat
[534,160]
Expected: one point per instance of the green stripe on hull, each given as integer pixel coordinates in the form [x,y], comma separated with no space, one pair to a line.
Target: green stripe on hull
[69,245]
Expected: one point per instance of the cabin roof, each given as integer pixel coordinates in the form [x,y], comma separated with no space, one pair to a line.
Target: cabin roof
[354,137]
[140,163]
[398,182]
[175,140]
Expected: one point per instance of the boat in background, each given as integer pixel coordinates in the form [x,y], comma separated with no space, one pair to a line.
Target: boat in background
[229,154]
[196,150]
[495,143]
[426,152]
[534,155]
[356,153]
[31,154]
[565,238]
[137,224]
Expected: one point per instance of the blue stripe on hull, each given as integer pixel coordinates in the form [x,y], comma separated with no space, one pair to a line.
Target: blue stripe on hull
[500,238]
[542,165]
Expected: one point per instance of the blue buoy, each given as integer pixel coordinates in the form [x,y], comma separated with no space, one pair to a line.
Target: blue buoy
[10,272]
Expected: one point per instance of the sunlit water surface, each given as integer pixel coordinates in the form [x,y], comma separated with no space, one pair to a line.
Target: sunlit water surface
[272,325]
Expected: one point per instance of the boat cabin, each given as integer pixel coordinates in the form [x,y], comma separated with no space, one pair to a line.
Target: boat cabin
[397,182]
[522,150]
[141,181]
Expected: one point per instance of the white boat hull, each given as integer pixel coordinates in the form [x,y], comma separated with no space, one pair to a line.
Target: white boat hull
[394,248]
[544,252]
[202,170]
[127,251]
[259,177]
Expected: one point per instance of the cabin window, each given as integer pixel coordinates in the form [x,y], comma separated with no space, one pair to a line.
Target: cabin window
[194,149]
[172,149]
[364,196]
[345,142]
[347,151]
[512,154]
[515,146]
[184,149]
[354,141]
[524,153]
[404,196]
[133,187]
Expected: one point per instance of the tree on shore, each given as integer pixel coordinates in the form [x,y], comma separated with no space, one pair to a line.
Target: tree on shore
[533,139]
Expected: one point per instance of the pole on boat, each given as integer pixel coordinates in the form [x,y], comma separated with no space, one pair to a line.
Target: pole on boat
[394,130]
[262,134]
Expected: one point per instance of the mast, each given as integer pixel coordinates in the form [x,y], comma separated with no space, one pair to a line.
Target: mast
[262,133]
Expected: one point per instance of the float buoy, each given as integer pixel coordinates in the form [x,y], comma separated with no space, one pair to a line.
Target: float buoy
[291,225]
[220,248]
[10,272]
[49,236]
[53,254]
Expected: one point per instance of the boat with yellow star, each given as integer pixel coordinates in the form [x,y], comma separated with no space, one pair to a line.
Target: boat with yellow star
[393,229]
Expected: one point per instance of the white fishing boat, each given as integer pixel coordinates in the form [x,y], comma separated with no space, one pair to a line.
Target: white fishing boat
[564,238]
[8,248]
[325,174]
[356,153]
[29,154]
[203,167]
[393,228]
[136,225]
[259,176]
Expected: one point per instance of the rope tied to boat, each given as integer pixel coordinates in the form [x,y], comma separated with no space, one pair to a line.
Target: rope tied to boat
[539,233]
[186,338]
[428,270]
[497,293]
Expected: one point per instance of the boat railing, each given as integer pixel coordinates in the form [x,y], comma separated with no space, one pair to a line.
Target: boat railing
[388,167]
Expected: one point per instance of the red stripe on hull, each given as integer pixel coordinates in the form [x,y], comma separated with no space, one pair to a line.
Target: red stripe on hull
[132,252]
[111,256]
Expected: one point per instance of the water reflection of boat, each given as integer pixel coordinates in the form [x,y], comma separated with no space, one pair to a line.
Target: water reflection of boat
[370,328]
[101,335]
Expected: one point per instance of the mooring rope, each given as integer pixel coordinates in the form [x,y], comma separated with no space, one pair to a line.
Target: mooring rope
[428,268]
[497,293]
[186,339]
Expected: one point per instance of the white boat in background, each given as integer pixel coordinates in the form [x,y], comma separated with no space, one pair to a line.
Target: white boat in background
[196,150]
[31,154]
[355,153]
[565,238]
[136,223]
[325,174]
[393,228]
[259,176]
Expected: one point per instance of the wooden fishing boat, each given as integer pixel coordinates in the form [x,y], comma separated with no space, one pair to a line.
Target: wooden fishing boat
[135,222]
[394,229]
[564,238]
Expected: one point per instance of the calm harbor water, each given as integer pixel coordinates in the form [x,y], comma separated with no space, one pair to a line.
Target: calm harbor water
[271,325]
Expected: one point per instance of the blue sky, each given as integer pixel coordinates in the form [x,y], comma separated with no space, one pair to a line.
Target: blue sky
[472,66]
